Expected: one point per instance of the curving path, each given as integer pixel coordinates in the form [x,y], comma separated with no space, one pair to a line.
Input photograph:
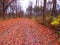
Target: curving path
[23,31]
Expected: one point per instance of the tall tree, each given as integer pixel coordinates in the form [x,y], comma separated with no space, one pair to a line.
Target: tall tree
[6,6]
[44,12]
[49,6]
[16,7]
[54,11]
[37,8]
[29,10]
[3,3]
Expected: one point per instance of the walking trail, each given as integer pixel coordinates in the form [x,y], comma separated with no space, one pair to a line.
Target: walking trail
[23,31]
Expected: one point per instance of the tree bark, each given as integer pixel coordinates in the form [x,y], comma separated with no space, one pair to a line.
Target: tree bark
[44,12]
[16,7]
[3,9]
[31,11]
[36,9]
[54,11]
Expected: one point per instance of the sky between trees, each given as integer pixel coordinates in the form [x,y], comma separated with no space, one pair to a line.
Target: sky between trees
[25,3]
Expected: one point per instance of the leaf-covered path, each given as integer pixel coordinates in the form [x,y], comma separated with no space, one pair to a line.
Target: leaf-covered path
[26,32]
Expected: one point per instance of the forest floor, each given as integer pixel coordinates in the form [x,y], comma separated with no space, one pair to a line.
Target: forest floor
[23,31]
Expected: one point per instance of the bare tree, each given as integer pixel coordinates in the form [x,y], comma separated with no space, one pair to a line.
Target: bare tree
[37,6]
[29,9]
[6,6]
[3,9]
[44,12]
[54,11]
[16,7]
[49,6]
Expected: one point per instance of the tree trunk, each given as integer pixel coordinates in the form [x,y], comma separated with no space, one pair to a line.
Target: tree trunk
[44,12]
[16,7]
[3,9]
[38,6]
[31,11]
[36,10]
[54,11]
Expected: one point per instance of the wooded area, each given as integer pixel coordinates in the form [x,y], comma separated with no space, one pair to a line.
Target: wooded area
[46,14]
[29,22]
